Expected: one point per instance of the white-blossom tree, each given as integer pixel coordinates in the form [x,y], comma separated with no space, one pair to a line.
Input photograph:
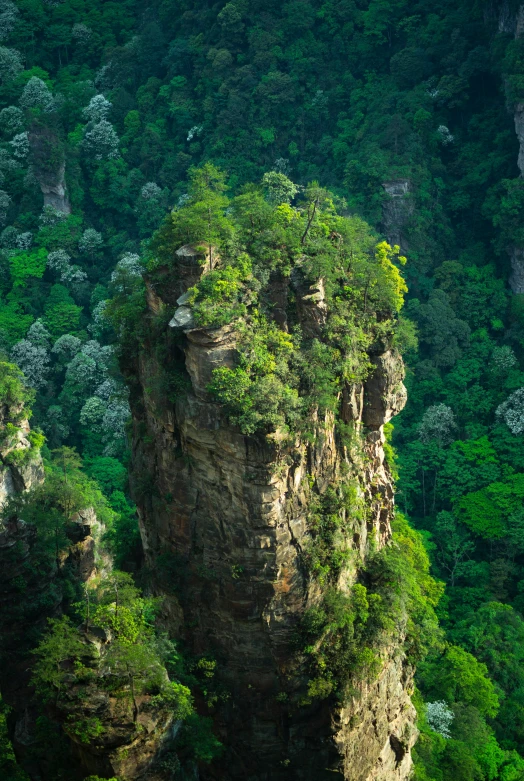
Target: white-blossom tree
[12,120]
[81,33]
[73,275]
[108,419]
[114,424]
[7,164]
[66,347]
[194,131]
[10,64]
[20,145]
[99,322]
[88,368]
[8,15]
[101,141]
[438,425]
[90,242]
[503,359]
[24,240]
[440,717]
[97,109]
[36,94]
[5,202]
[9,237]
[511,412]
[55,427]
[33,361]
[51,216]
[39,335]
[127,272]
[107,389]
[58,261]
[150,191]
[444,135]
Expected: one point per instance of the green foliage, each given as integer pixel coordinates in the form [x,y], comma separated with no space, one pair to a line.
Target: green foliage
[279,379]
[351,95]
[13,392]
[61,644]
[343,635]
[216,301]
[8,765]
[256,394]
[27,264]
[457,676]
[130,665]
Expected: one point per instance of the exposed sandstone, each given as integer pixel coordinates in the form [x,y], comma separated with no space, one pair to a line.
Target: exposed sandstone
[232,511]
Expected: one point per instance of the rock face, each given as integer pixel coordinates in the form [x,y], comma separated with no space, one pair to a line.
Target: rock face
[232,513]
[513,23]
[48,161]
[396,211]
[20,468]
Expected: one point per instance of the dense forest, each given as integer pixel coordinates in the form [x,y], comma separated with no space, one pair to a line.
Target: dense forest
[131,122]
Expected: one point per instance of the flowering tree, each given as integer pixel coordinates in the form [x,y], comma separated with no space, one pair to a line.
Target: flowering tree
[24,240]
[10,64]
[34,362]
[439,717]
[12,119]
[101,141]
[90,243]
[9,237]
[20,145]
[51,216]
[58,261]
[438,425]
[503,359]
[127,272]
[36,94]
[98,109]
[511,412]
[99,322]
[279,188]
[81,33]
[66,347]
[150,191]
[8,15]
[39,335]
[5,202]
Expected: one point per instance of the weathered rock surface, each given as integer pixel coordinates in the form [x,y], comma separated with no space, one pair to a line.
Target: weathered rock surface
[513,23]
[20,469]
[48,161]
[397,210]
[232,511]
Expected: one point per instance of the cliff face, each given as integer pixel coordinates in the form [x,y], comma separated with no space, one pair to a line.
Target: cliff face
[19,470]
[513,23]
[33,588]
[48,161]
[231,512]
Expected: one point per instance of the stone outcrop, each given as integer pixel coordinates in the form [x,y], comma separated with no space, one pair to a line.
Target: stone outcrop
[48,162]
[21,467]
[232,513]
[397,209]
[513,23]
[127,743]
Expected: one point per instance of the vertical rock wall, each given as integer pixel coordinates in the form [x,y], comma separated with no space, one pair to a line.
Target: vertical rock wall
[231,512]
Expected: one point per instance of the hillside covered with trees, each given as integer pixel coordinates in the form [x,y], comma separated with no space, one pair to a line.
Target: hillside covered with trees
[271,131]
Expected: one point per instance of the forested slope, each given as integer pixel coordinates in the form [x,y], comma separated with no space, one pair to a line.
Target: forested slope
[403,109]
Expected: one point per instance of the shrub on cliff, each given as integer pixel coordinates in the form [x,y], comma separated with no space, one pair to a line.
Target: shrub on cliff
[259,238]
